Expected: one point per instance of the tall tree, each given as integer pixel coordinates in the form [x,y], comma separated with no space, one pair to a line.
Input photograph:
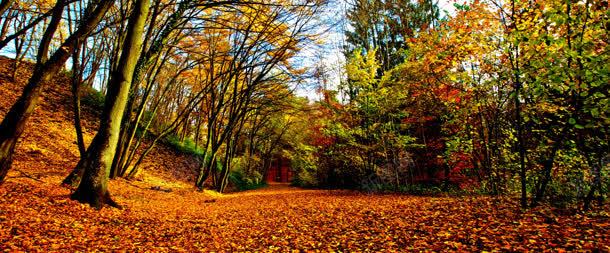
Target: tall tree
[387,26]
[262,39]
[93,188]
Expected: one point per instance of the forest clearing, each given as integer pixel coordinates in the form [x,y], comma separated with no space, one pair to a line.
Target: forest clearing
[304,126]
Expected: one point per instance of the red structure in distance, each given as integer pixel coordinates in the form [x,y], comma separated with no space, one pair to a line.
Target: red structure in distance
[279,172]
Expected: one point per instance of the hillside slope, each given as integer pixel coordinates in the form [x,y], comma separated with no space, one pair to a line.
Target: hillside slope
[48,146]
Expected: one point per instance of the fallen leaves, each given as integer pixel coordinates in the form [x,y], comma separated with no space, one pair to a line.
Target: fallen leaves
[40,217]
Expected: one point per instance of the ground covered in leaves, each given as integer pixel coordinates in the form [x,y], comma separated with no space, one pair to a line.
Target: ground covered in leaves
[38,216]
[164,213]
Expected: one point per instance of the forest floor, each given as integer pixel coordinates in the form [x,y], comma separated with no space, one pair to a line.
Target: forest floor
[38,216]
[163,213]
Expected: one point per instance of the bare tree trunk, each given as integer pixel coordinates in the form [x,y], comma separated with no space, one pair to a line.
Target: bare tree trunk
[226,168]
[76,84]
[5,24]
[93,188]
[45,42]
[120,161]
[75,175]
[76,79]
[19,42]
[206,167]
[521,145]
[229,154]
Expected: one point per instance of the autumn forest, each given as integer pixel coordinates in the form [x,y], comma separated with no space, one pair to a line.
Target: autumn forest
[304,125]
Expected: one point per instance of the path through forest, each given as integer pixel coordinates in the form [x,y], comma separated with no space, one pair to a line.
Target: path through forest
[35,216]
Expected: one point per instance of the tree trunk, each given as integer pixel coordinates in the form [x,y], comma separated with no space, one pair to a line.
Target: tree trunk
[206,168]
[4,5]
[521,147]
[93,188]
[520,141]
[121,159]
[209,153]
[548,167]
[5,24]
[226,169]
[76,84]
[596,163]
[45,42]
[14,122]
[73,179]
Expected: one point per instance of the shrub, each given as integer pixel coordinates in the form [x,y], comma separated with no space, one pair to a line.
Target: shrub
[186,147]
[304,163]
[93,98]
[245,180]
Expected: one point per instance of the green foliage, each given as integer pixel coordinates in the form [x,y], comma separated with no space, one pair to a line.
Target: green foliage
[187,146]
[566,85]
[387,25]
[305,164]
[92,98]
[245,180]
[461,7]
[421,189]
[369,132]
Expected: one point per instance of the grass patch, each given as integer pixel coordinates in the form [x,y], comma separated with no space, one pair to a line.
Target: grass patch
[187,146]
[92,98]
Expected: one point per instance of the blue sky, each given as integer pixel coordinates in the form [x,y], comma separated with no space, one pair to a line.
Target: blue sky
[329,51]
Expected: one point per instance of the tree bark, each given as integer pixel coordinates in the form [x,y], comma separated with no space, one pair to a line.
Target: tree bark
[45,42]
[75,175]
[147,57]
[93,188]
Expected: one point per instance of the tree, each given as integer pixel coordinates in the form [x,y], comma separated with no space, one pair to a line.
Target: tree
[14,122]
[386,27]
[93,188]
[261,40]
